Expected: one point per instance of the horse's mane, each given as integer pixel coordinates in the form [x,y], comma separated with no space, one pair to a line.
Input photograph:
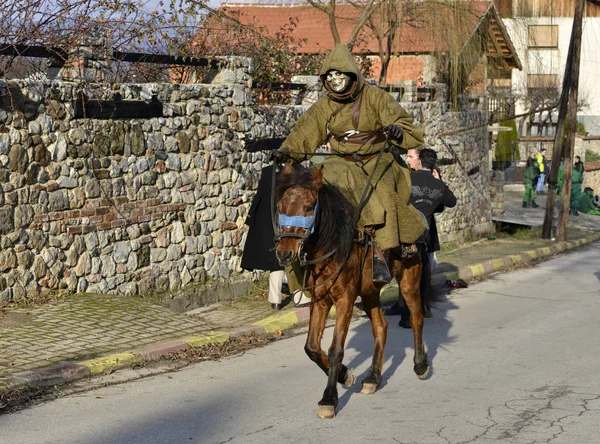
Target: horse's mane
[336,221]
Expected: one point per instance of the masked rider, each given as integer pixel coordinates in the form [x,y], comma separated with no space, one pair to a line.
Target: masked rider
[358,116]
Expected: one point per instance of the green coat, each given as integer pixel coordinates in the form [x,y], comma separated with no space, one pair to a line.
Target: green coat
[586,204]
[531,173]
[576,176]
[387,208]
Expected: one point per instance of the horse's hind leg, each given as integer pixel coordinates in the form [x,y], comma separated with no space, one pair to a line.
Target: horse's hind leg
[409,285]
[318,319]
[379,327]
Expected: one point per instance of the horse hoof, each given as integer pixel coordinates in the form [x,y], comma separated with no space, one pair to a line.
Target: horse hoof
[368,388]
[326,411]
[424,374]
[350,378]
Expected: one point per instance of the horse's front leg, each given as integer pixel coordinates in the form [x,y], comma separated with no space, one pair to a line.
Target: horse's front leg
[335,356]
[409,285]
[319,311]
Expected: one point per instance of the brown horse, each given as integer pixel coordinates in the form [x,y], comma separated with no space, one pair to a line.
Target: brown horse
[317,226]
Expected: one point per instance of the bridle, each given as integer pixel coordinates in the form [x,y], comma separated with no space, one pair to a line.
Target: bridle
[306,223]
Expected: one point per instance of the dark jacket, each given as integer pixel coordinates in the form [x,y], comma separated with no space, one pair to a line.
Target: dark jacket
[259,242]
[430,195]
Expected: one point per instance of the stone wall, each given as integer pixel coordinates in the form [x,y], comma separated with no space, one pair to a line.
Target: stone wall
[591,177]
[136,206]
[463,158]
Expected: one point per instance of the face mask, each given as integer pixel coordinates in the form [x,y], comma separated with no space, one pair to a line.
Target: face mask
[337,81]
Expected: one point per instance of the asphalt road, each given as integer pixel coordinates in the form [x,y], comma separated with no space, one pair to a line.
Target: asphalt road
[515,360]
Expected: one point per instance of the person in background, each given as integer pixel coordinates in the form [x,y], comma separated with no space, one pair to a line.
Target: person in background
[543,167]
[576,181]
[587,204]
[258,250]
[531,174]
[559,183]
[429,195]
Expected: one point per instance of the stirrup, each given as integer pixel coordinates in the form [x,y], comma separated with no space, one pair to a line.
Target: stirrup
[381,272]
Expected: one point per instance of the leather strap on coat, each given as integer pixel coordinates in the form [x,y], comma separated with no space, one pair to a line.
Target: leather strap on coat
[356,137]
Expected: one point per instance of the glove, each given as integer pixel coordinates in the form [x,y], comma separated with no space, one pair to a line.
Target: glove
[277,156]
[394,132]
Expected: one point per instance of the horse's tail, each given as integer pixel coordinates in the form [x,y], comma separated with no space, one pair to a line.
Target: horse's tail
[429,295]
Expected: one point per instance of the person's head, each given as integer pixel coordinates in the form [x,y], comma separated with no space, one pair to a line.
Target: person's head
[340,75]
[589,191]
[412,159]
[532,155]
[337,80]
[428,158]
[544,151]
[578,164]
[530,160]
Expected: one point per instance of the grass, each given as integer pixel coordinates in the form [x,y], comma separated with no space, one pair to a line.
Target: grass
[520,233]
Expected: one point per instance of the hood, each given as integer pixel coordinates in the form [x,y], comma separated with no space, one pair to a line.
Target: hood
[341,59]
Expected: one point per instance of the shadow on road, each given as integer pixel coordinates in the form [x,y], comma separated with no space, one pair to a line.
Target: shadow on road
[435,335]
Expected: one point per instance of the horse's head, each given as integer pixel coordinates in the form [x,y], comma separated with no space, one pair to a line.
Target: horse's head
[297,204]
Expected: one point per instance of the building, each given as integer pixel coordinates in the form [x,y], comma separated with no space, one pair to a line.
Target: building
[541,32]
[465,40]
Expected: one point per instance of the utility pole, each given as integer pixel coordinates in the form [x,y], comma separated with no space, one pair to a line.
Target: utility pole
[568,101]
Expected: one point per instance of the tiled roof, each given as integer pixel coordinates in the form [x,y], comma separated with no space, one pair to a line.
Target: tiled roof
[424,30]
[592,166]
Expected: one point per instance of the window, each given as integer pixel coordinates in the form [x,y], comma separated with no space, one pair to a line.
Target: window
[543,36]
[542,81]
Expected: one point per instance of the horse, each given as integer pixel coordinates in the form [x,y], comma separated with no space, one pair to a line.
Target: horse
[317,226]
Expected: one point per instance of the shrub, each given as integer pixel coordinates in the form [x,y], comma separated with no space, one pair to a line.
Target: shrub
[504,142]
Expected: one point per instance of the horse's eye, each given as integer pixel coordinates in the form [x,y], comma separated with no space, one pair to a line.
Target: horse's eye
[309,209]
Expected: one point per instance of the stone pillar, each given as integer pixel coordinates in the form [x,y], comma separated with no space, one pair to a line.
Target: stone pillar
[410,91]
[89,62]
[312,92]
[497,191]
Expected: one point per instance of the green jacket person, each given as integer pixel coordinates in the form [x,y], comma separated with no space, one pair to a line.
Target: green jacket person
[586,202]
[531,174]
[354,112]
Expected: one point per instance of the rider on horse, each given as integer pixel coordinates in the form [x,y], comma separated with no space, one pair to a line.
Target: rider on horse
[357,117]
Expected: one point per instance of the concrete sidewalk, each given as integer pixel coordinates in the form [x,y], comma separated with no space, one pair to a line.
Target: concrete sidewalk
[85,335]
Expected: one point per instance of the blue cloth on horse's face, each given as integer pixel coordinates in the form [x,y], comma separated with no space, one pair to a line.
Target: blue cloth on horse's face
[295,221]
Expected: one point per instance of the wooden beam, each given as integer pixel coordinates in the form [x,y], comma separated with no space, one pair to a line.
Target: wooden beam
[568,102]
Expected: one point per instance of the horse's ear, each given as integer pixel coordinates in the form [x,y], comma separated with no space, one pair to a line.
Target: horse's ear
[287,169]
[318,177]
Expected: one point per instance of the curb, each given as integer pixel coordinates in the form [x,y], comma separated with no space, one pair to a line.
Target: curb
[66,372]
[506,262]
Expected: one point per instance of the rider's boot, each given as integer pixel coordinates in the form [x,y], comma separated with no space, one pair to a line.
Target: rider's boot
[381,272]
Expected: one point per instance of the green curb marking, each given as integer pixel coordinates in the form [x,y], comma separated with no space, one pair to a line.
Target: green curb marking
[275,323]
[111,362]
[516,259]
[477,270]
[498,263]
[532,254]
[212,338]
[547,251]
[12,385]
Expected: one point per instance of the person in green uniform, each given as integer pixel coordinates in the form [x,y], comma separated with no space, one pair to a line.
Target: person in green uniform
[559,183]
[576,181]
[529,178]
[358,116]
[586,202]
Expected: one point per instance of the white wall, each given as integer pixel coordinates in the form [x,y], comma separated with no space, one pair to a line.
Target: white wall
[546,61]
